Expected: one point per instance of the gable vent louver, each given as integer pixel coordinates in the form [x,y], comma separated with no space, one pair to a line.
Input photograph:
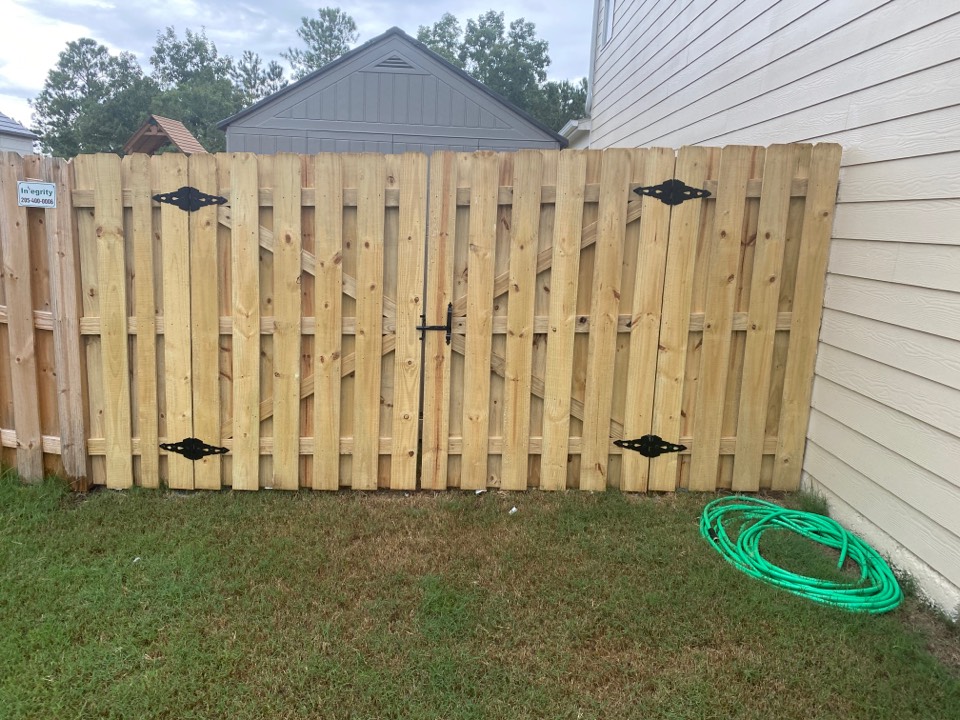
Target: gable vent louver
[394,62]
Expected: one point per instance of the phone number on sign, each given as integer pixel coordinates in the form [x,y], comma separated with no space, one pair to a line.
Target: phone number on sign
[35,202]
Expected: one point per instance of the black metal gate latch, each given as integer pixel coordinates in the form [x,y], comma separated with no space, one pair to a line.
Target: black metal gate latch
[650,446]
[672,192]
[448,327]
[189,199]
[193,448]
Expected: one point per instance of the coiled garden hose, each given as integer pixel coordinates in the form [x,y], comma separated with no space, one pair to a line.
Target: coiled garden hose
[877,591]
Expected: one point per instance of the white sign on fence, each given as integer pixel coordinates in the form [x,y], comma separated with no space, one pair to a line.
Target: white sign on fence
[36,194]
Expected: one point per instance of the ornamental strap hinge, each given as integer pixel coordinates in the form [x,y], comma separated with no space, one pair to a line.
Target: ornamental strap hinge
[650,446]
[672,192]
[448,328]
[189,199]
[193,448]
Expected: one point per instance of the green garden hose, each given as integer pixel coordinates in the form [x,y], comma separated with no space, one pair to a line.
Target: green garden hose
[877,590]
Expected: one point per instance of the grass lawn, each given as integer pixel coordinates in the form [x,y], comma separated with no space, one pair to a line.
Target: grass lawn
[148,604]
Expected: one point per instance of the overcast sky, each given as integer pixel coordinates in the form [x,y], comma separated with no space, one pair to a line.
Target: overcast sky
[33,32]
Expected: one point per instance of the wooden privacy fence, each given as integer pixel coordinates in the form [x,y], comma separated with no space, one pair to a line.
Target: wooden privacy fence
[281,324]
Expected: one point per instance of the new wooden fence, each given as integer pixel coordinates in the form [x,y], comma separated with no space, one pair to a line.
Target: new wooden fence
[282,325]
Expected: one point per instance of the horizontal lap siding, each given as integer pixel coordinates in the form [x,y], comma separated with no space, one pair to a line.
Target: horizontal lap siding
[880,79]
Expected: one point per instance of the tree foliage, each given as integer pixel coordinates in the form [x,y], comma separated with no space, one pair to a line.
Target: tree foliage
[510,60]
[87,84]
[327,37]
[254,79]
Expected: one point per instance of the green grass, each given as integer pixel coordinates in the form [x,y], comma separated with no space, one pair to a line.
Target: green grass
[269,605]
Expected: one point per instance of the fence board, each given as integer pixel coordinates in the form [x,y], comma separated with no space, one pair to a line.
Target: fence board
[15,256]
[726,238]
[108,216]
[524,228]
[245,241]
[603,318]
[692,167]
[287,269]
[780,164]
[136,177]
[645,318]
[476,384]
[564,270]
[369,337]
[442,232]
[205,321]
[407,367]
[172,173]
[807,307]
[327,338]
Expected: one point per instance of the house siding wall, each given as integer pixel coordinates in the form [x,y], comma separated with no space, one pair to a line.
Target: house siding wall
[882,78]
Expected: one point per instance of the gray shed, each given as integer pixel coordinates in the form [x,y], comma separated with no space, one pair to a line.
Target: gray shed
[15,137]
[390,95]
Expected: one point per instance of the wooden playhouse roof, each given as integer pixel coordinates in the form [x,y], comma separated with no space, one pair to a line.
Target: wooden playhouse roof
[157,131]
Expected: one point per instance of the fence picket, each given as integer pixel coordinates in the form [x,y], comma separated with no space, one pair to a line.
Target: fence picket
[15,258]
[287,268]
[136,177]
[328,347]
[245,239]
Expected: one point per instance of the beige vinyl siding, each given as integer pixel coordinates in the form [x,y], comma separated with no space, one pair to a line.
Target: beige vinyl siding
[882,78]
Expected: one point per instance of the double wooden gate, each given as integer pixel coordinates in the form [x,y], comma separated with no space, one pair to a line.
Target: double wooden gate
[276,314]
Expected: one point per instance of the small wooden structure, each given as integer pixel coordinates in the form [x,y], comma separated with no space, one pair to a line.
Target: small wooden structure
[158,131]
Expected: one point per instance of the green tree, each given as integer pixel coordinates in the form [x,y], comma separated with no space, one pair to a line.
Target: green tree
[327,37]
[444,37]
[510,60]
[91,101]
[255,80]
[559,102]
[197,84]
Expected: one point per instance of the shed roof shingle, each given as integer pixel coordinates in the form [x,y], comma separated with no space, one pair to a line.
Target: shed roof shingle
[9,126]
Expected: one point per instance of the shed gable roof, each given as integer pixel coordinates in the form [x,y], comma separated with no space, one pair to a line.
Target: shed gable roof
[349,89]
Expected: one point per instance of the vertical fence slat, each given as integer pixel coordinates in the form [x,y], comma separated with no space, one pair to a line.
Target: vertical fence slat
[245,261]
[442,207]
[482,235]
[65,305]
[727,235]
[561,331]
[136,177]
[84,175]
[692,167]
[287,267]
[171,173]
[407,366]
[604,309]
[328,346]
[780,162]
[645,317]
[108,216]
[807,307]
[205,321]
[525,230]
[15,255]
[369,338]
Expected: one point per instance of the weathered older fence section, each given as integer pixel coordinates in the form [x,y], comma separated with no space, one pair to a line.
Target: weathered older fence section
[464,320]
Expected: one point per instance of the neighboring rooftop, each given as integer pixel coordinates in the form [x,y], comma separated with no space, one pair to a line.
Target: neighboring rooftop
[9,126]
[158,131]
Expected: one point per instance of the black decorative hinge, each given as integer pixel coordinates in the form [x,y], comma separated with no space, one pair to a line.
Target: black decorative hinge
[650,446]
[448,327]
[193,449]
[189,199]
[672,192]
